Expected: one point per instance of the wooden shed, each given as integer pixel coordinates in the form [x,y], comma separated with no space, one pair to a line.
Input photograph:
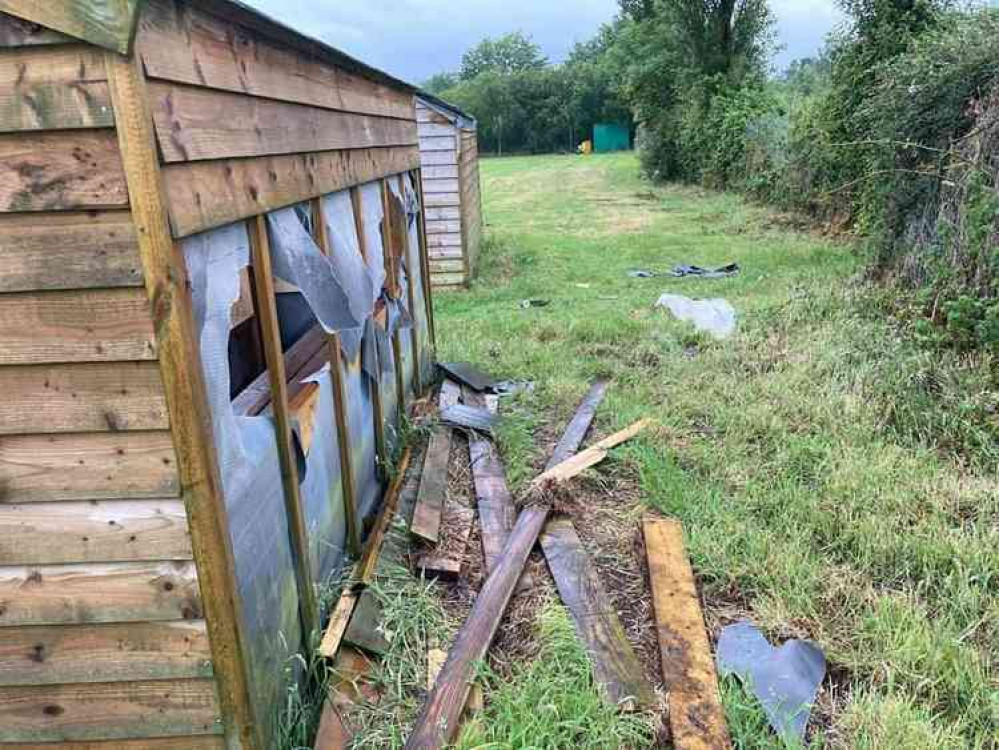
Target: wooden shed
[449,150]
[214,309]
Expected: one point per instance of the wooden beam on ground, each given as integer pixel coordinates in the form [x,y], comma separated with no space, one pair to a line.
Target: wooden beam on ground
[439,720]
[575,432]
[338,623]
[364,631]
[695,711]
[165,277]
[590,457]
[265,303]
[433,487]
[617,670]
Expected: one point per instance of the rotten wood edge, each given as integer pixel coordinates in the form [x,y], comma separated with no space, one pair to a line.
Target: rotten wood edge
[165,275]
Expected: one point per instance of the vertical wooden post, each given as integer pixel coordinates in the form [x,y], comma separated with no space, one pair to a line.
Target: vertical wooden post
[265,303]
[381,444]
[165,273]
[388,241]
[428,286]
[463,209]
[339,403]
[414,337]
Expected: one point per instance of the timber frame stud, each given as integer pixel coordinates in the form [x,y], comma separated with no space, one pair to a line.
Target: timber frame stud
[145,603]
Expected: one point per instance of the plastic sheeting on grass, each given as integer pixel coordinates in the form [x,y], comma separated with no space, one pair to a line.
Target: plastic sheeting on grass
[713,316]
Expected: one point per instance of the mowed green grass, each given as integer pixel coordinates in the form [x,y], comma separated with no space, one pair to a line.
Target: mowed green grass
[828,480]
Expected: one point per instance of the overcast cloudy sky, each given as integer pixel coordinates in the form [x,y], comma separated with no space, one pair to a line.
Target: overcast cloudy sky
[413,39]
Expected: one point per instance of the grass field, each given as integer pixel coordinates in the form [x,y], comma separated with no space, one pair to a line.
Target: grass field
[834,480]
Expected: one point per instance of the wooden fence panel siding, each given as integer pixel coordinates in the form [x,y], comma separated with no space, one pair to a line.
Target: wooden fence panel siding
[441,186]
[85,326]
[449,172]
[114,396]
[436,129]
[56,171]
[443,213]
[442,200]
[439,158]
[53,88]
[444,227]
[444,240]
[220,55]
[16,32]
[110,24]
[117,710]
[207,195]
[87,466]
[450,265]
[91,531]
[189,127]
[55,654]
[68,251]
[95,593]
[439,143]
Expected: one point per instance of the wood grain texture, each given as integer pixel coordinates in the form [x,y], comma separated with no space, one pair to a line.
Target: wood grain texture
[345,441]
[439,158]
[256,396]
[110,24]
[55,172]
[114,397]
[593,455]
[575,432]
[94,593]
[497,510]
[87,466]
[164,270]
[442,200]
[206,742]
[432,493]
[438,722]
[428,285]
[78,326]
[616,668]
[117,710]
[368,564]
[85,532]
[443,213]
[211,194]
[439,143]
[265,303]
[68,251]
[16,32]
[337,626]
[189,128]
[697,717]
[441,186]
[219,55]
[53,88]
[59,655]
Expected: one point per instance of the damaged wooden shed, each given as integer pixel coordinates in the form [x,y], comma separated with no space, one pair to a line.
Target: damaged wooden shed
[214,311]
[449,148]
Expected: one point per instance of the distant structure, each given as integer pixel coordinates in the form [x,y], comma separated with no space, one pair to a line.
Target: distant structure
[609,137]
[449,151]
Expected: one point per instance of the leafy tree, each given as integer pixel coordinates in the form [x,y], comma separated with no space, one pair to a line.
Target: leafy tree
[441,82]
[510,53]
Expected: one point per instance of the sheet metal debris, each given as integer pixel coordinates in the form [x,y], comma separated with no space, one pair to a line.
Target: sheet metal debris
[786,680]
[714,316]
[470,417]
[469,374]
[724,272]
[527,304]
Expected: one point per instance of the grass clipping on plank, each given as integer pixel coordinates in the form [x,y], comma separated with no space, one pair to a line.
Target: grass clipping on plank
[553,701]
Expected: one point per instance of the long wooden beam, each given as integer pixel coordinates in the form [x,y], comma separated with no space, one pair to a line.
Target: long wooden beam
[110,24]
[265,303]
[428,286]
[180,367]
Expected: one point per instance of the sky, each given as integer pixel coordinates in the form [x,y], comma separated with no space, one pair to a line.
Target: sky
[413,39]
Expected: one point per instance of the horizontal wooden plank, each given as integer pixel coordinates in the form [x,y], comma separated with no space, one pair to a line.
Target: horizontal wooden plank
[206,742]
[444,240]
[68,251]
[179,43]
[53,88]
[117,710]
[445,253]
[447,266]
[439,143]
[441,186]
[106,23]
[444,227]
[60,655]
[440,173]
[428,114]
[188,126]
[433,130]
[448,279]
[16,32]
[115,396]
[87,466]
[443,213]
[60,171]
[442,200]
[78,326]
[211,194]
[438,158]
[85,532]
[96,593]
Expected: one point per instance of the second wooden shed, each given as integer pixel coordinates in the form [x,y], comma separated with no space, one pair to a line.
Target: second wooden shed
[449,151]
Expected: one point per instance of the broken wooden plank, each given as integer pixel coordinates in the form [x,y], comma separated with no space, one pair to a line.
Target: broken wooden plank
[338,623]
[446,560]
[696,715]
[365,631]
[572,438]
[433,487]
[590,457]
[497,511]
[365,572]
[438,722]
[616,668]
[450,394]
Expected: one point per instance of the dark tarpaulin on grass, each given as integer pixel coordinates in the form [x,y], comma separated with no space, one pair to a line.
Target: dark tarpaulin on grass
[469,374]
